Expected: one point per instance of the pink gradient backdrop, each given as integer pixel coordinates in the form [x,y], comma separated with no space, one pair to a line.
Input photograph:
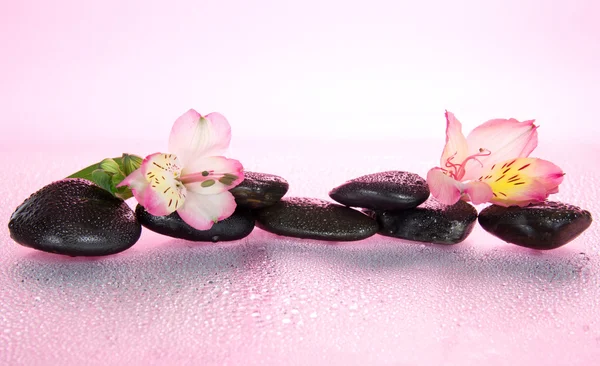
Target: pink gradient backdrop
[296,69]
[292,72]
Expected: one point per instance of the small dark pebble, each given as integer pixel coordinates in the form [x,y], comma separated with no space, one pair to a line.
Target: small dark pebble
[311,218]
[393,190]
[235,227]
[431,222]
[74,217]
[259,190]
[546,225]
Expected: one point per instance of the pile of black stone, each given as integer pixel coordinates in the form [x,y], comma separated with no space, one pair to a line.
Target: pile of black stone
[400,203]
[75,217]
[393,203]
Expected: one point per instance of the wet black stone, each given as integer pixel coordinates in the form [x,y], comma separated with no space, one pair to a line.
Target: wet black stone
[546,225]
[311,218]
[393,190]
[74,217]
[431,222]
[237,226]
[259,190]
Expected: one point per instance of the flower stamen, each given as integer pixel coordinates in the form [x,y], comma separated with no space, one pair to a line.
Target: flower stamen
[459,169]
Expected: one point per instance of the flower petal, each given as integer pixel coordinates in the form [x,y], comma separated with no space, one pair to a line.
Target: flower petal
[163,193]
[445,189]
[478,192]
[201,211]
[194,136]
[504,138]
[137,183]
[212,175]
[523,181]
[456,147]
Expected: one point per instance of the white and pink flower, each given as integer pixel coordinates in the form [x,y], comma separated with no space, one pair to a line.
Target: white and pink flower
[195,177]
[492,165]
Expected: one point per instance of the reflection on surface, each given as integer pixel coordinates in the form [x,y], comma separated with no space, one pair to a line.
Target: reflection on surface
[290,301]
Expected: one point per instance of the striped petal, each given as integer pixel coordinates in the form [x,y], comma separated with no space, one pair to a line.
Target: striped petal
[504,138]
[519,182]
[164,193]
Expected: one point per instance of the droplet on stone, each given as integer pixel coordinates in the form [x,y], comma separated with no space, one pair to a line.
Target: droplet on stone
[311,218]
[237,226]
[74,217]
[391,190]
[546,225]
[259,190]
[431,222]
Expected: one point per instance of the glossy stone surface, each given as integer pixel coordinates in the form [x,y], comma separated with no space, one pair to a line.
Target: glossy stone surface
[74,217]
[546,225]
[311,218]
[391,190]
[431,222]
[259,190]
[237,226]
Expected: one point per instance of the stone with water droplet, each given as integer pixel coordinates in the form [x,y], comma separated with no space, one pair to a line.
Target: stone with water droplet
[431,222]
[546,225]
[237,226]
[74,217]
[391,190]
[259,190]
[311,218]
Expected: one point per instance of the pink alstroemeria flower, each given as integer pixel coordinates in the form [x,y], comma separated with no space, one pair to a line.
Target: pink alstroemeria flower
[491,165]
[194,178]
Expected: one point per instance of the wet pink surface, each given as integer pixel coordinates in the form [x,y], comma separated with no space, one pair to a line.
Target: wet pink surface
[274,300]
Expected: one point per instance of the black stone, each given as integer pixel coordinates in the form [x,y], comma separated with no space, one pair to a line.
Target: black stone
[237,226]
[393,190]
[311,218]
[74,217]
[431,222]
[259,190]
[546,225]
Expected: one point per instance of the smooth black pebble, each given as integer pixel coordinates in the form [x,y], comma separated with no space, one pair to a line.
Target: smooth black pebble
[546,225]
[237,226]
[393,190]
[311,218]
[74,217]
[431,222]
[259,190]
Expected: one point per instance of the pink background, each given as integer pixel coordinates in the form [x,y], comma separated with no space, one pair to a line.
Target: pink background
[372,80]
[72,70]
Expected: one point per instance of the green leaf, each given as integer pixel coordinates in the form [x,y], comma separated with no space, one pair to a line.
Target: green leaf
[110,166]
[109,172]
[121,192]
[131,163]
[86,173]
[103,179]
